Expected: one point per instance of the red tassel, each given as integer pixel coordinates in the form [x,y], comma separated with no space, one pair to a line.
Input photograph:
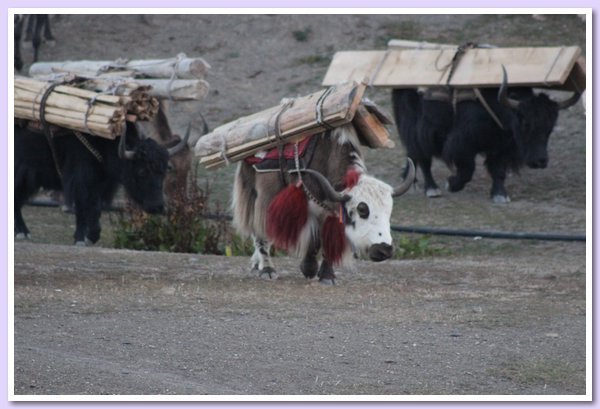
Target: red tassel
[351,178]
[286,216]
[333,237]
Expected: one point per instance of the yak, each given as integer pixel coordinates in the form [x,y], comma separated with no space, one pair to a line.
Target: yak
[512,132]
[88,170]
[324,203]
[37,25]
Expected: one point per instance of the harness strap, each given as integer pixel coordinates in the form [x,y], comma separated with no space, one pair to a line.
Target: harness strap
[487,107]
[46,127]
[456,59]
[280,144]
[85,142]
[319,109]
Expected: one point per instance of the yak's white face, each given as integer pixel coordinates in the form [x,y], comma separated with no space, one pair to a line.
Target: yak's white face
[368,224]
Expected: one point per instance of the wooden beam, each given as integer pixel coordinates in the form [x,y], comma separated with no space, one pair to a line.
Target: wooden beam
[479,67]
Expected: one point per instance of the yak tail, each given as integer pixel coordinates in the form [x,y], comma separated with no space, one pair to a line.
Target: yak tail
[243,201]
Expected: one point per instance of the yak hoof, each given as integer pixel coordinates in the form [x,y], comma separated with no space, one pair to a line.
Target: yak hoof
[268,273]
[80,243]
[327,281]
[433,192]
[501,199]
[309,268]
[21,236]
[254,269]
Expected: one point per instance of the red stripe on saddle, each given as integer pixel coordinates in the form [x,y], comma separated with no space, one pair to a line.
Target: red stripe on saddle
[288,152]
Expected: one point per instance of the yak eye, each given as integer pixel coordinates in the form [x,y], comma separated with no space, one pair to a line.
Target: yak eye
[363,210]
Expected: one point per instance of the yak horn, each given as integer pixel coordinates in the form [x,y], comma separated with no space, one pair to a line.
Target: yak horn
[123,152]
[570,101]
[182,144]
[330,193]
[408,180]
[502,93]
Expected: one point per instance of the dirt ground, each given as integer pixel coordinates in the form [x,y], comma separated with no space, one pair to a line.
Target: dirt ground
[502,317]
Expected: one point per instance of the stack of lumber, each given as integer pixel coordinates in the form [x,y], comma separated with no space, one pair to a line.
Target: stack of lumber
[409,64]
[180,78]
[295,120]
[71,107]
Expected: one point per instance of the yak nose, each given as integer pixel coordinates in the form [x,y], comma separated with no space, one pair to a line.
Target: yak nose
[539,163]
[380,251]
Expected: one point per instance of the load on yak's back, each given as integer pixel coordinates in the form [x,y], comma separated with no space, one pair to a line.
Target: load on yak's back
[311,194]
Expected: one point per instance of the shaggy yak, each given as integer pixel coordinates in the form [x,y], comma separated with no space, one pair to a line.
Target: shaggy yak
[319,199]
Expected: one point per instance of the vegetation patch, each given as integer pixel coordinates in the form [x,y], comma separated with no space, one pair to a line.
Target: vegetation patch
[189,226]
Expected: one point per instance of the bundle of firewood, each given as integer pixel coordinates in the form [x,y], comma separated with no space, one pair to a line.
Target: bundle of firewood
[291,121]
[179,79]
[74,107]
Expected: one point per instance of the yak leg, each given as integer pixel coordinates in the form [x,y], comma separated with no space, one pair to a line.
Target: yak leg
[310,265]
[431,188]
[47,32]
[40,20]
[496,167]
[261,259]
[87,221]
[326,273]
[465,167]
[21,196]
[17,41]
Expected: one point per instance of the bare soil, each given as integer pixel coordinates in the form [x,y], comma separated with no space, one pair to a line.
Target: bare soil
[480,317]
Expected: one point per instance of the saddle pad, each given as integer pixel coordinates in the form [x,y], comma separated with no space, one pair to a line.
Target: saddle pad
[273,154]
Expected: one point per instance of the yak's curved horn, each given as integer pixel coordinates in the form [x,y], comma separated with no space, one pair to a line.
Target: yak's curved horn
[502,93]
[569,101]
[330,193]
[182,143]
[123,152]
[205,129]
[408,180]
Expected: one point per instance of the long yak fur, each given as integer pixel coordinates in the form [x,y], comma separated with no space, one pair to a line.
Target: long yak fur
[336,153]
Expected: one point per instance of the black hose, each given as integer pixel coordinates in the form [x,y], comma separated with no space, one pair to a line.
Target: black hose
[488,234]
[410,229]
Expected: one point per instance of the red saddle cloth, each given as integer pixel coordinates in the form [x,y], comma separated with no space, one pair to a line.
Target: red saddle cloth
[273,154]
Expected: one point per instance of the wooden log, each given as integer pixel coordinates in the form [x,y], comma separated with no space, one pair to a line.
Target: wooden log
[70,107]
[180,67]
[177,90]
[68,102]
[109,131]
[369,122]
[397,44]
[298,118]
[478,67]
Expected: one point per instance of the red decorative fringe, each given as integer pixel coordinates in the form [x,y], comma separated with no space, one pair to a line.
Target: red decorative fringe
[351,178]
[333,237]
[286,216]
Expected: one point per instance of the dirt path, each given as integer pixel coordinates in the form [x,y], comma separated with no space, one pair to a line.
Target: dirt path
[102,321]
[479,317]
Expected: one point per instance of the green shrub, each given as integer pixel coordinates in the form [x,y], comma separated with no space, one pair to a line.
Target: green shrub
[407,247]
[185,228]
[302,35]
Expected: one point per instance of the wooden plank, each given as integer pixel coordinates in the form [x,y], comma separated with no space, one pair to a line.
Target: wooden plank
[252,133]
[576,80]
[410,68]
[397,44]
[371,131]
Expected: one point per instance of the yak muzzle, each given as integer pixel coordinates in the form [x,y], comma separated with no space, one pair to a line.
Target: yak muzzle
[380,251]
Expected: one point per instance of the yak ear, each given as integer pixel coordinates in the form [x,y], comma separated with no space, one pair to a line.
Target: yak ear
[286,216]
